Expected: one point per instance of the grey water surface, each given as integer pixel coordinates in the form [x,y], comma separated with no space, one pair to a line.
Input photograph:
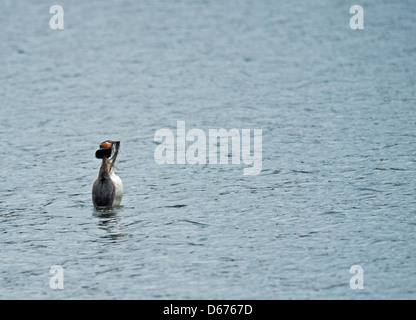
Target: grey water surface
[337,109]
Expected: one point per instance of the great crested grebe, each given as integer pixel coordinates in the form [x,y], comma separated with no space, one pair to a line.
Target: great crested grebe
[107,190]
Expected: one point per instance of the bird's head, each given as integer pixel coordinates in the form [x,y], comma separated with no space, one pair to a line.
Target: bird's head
[106,149]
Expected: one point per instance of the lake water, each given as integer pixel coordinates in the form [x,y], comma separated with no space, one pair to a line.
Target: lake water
[337,109]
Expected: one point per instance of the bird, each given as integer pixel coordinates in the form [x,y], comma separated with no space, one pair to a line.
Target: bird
[107,190]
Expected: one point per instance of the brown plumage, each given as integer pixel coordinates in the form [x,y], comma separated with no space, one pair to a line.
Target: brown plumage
[103,190]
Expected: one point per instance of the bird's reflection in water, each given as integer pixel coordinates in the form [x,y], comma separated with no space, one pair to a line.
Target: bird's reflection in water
[108,219]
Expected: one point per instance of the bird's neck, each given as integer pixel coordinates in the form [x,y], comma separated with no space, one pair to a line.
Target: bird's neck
[105,169]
